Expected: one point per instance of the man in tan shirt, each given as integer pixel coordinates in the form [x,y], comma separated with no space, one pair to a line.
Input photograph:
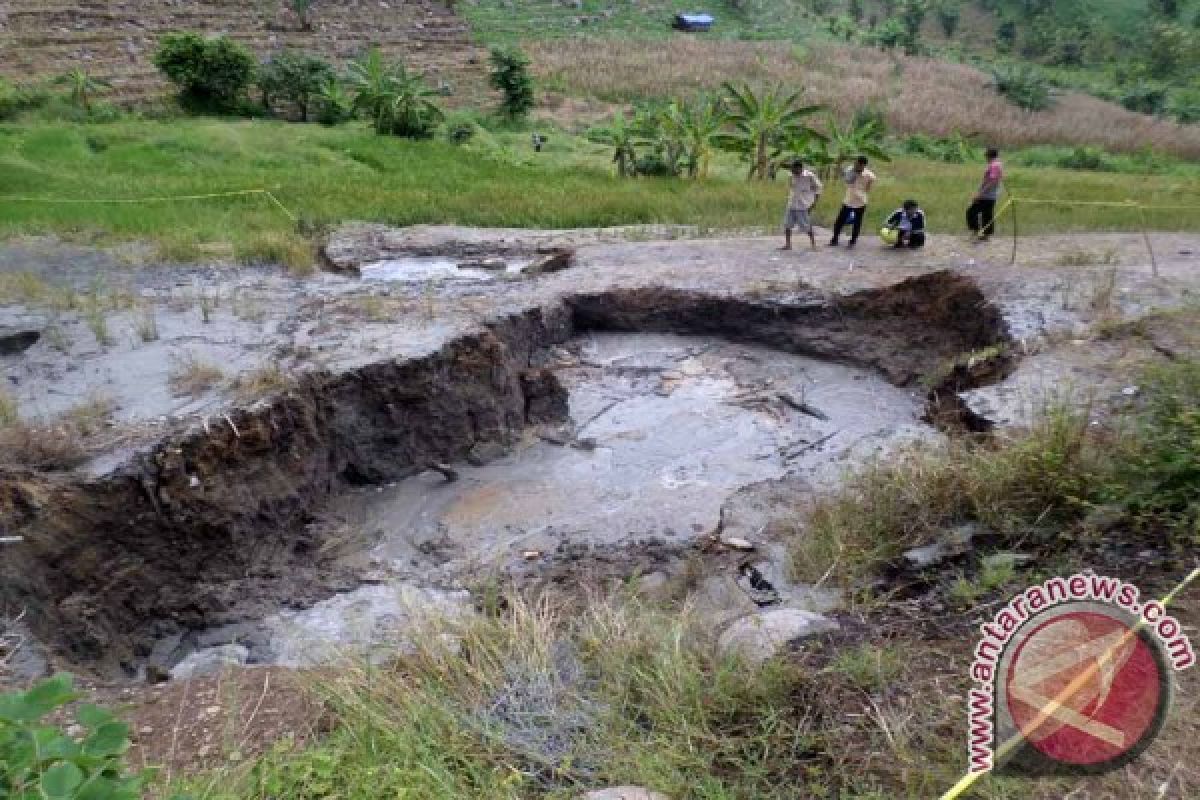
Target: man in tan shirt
[806,191]
[859,181]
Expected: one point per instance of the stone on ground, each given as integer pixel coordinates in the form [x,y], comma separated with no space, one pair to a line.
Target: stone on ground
[210,661]
[761,636]
[624,793]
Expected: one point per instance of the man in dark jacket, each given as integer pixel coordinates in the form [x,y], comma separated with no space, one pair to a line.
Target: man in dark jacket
[909,224]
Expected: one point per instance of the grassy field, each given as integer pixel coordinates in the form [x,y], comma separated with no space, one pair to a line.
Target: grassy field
[329,175]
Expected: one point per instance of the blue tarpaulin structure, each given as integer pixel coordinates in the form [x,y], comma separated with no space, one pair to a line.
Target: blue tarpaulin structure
[693,22]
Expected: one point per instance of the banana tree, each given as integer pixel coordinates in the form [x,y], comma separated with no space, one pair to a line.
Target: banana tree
[623,137]
[397,101]
[82,87]
[699,124]
[761,124]
[853,140]
[370,81]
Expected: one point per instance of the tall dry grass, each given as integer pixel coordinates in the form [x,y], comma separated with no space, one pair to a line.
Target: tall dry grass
[917,95]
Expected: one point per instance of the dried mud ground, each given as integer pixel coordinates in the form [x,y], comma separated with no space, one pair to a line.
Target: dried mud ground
[1086,312]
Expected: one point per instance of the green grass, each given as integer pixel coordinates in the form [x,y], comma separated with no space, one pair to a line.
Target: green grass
[1035,488]
[330,175]
[547,701]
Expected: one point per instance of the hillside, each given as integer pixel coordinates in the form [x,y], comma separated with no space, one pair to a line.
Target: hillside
[115,41]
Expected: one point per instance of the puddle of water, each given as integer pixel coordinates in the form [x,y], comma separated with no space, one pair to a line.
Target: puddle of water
[420,270]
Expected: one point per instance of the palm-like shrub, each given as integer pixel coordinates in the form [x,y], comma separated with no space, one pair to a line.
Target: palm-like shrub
[396,100]
[82,87]
[762,124]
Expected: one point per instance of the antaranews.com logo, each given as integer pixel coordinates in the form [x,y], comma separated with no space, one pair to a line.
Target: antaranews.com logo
[1073,676]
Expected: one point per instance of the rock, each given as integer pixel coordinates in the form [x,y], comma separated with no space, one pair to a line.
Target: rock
[16,340]
[759,637]
[485,453]
[210,661]
[553,262]
[491,263]
[1002,560]
[652,583]
[737,543]
[954,544]
[624,793]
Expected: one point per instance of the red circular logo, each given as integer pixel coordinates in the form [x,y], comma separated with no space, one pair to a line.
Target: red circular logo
[1085,688]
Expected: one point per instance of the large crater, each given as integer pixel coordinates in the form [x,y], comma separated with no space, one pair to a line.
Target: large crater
[570,429]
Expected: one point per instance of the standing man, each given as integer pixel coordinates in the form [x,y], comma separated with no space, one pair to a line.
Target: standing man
[859,181]
[806,191]
[981,213]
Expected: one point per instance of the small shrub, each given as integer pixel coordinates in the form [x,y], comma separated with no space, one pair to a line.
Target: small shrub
[267,380]
[39,760]
[49,447]
[297,79]
[193,376]
[1184,106]
[1023,86]
[211,74]
[15,99]
[147,324]
[510,74]
[90,417]
[889,35]
[949,12]
[1088,158]
[1146,98]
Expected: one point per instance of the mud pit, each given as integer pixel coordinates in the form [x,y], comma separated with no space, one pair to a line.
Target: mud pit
[602,439]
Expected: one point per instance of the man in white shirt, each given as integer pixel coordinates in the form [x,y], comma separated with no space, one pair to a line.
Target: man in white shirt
[806,190]
[859,181]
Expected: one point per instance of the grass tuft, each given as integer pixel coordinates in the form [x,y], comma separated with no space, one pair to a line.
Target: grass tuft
[268,379]
[192,376]
[9,413]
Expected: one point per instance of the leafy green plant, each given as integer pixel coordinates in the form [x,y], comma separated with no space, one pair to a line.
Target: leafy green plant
[1161,481]
[82,87]
[1145,97]
[763,123]
[296,79]
[889,35]
[954,149]
[912,15]
[17,98]
[395,100]
[623,138]
[1184,106]
[1023,86]
[38,760]
[698,124]
[334,104]
[949,12]
[211,74]
[510,74]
